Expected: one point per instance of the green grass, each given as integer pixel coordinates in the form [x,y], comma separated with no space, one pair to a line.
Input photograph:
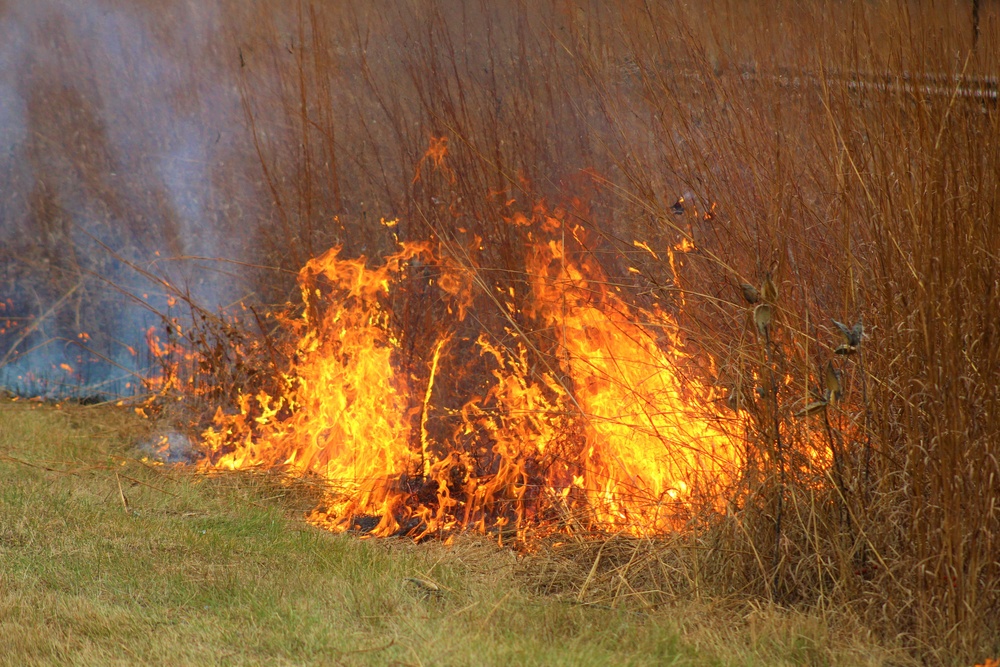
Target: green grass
[222,571]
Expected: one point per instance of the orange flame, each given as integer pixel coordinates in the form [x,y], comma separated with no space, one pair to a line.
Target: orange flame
[347,420]
[651,439]
[589,421]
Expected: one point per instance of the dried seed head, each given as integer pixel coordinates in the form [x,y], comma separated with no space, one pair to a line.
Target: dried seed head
[762,316]
[853,335]
[857,332]
[833,388]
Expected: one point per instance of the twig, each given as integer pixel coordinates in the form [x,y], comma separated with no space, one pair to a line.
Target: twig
[780,454]
[155,488]
[121,493]
[6,457]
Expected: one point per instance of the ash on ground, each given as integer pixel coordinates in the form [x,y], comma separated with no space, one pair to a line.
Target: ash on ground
[170,447]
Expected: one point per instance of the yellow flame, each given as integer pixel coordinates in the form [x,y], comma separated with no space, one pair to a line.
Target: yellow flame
[588,421]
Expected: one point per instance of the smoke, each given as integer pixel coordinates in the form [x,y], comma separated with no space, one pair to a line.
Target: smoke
[126,151]
[122,146]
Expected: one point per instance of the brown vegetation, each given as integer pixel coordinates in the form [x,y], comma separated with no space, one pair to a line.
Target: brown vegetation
[847,153]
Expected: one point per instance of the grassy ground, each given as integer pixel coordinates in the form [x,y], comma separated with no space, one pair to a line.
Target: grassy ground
[268,132]
[107,560]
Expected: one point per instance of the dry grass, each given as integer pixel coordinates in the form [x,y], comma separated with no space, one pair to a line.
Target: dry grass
[842,152]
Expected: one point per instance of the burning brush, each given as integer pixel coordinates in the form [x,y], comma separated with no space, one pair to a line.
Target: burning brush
[577,419]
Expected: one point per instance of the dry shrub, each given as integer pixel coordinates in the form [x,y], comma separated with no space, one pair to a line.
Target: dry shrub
[848,151]
[856,166]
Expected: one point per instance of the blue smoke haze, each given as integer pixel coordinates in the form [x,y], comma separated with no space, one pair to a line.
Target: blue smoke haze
[116,128]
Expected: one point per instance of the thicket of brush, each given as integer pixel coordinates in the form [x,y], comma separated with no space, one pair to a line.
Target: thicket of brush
[848,151]
[872,202]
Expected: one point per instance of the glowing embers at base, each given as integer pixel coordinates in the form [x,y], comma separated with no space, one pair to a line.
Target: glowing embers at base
[584,421]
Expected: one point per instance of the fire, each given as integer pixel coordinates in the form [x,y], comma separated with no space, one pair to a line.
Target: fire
[651,439]
[344,414]
[589,420]
[170,354]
